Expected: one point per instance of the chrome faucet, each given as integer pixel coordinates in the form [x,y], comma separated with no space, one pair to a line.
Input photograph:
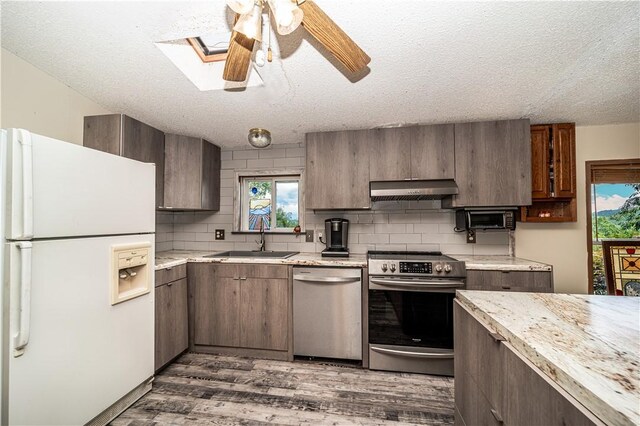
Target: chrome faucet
[263,241]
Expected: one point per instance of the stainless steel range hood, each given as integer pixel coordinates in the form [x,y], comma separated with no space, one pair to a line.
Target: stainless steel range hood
[412,189]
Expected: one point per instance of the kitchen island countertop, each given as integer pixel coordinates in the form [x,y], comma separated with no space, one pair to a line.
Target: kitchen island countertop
[588,345]
[166,259]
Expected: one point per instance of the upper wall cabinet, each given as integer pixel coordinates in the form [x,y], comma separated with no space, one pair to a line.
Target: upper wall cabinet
[416,152]
[492,164]
[553,171]
[122,135]
[337,170]
[192,174]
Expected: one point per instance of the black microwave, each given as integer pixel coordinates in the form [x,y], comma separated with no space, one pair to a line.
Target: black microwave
[485,219]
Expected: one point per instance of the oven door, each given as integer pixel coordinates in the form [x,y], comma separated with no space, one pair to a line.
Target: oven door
[412,312]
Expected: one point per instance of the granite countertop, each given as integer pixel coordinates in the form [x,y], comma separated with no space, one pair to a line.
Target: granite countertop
[588,345]
[500,263]
[168,259]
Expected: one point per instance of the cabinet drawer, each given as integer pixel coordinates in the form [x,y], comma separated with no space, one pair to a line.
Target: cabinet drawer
[529,281]
[170,274]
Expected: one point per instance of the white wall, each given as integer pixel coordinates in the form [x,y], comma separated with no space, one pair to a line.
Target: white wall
[564,245]
[33,100]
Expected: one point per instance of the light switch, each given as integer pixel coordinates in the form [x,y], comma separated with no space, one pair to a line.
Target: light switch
[309,236]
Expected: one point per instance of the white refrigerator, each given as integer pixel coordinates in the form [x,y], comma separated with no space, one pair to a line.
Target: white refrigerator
[77,296]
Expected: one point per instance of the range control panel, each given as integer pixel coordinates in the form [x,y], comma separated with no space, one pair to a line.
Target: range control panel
[416,267]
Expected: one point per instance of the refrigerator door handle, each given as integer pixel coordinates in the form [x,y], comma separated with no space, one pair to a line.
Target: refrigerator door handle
[24,138]
[22,315]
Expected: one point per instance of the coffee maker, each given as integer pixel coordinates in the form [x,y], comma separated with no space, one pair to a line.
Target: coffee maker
[337,238]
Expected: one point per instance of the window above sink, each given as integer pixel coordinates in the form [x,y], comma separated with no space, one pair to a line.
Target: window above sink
[273,199]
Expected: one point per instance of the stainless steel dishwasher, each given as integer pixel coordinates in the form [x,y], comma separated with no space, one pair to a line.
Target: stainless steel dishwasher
[327,312]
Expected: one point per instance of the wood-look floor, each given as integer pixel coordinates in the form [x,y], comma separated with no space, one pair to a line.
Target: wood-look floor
[200,389]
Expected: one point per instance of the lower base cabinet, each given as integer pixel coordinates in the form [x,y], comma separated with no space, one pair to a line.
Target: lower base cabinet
[495,385]
[527,281]
[171,324]
[242,307]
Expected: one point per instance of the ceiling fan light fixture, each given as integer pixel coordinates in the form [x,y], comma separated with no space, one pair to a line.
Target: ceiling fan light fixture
[250,24]
[287,14]
[259,138]
[240,6]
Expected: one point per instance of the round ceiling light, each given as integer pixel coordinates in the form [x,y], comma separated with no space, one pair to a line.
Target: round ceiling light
[259,138]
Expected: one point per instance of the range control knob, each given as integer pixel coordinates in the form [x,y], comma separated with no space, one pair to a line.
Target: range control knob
[384,267]
[393,267]
[438,267]
[447,268]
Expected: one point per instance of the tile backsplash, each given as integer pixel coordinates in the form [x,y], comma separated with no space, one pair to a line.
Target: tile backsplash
[389,225]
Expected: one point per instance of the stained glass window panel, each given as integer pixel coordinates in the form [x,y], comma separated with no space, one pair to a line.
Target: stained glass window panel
[259,204]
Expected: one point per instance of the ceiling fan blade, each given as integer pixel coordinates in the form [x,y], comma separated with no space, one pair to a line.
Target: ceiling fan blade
[238,60]
[336,41]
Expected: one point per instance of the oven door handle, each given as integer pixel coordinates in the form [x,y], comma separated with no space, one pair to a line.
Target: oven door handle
[416,286]
[410,354]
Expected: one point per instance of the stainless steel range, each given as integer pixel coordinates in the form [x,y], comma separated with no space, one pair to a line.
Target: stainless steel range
[411,310]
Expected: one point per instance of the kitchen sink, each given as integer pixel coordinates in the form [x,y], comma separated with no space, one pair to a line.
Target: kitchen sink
[255,253]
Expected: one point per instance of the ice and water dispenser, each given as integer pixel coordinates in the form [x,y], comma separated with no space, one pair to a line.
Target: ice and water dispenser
[131,271]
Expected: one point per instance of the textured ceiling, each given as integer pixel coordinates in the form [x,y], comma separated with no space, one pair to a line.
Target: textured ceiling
[431,62]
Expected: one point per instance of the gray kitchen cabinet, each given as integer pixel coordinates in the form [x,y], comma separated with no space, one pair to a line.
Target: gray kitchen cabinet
[492,164]
[496,385]
[241,308]
[432,152]
[337,170]
[527,281]
[192,174]
[122,135]
[171,317]
[390,153]
[414,152]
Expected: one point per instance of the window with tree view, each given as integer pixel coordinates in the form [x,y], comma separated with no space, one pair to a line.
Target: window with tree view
[615,214]
[271,203]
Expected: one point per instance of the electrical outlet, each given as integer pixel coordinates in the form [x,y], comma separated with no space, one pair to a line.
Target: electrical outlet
[219,234]
[320,237]
[471,236]
[308,236]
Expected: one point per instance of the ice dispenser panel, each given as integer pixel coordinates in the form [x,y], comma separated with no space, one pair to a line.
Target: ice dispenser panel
[131,271]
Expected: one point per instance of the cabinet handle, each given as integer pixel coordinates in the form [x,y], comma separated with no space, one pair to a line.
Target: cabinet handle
[169,284]
[506,287]
[168,268]
[236,278]
[497,416]
[243,278]
[497,337]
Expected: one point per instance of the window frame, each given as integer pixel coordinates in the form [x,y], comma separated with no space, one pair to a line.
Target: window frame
[240,223]
[590,166]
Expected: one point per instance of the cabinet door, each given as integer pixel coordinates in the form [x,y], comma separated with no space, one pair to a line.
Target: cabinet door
[264,313]
[210,189]
[144,143]
[564,152]
[171,322]
[216,302]
[533,399]
[432,152]
[183,172]
[493,164]
[103,132]
[540,183]
[390,154]
[337,170]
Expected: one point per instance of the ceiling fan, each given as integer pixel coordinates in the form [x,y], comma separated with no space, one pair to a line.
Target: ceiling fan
[288,15]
